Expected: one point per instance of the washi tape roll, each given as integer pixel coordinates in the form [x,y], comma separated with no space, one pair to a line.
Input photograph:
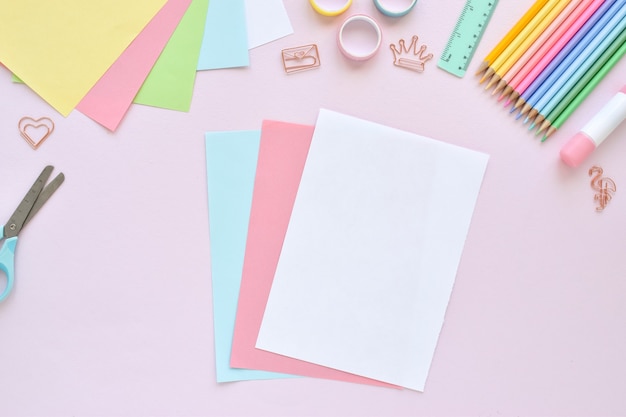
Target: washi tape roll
[359,37]
[394,8]
[330,7]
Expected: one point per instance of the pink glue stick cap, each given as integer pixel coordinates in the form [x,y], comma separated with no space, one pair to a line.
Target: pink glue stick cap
[577,149]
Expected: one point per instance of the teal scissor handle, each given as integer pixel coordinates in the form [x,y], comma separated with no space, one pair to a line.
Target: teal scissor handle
[7,264]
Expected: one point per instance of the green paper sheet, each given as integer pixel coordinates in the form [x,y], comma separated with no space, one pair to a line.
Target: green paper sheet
[170,83]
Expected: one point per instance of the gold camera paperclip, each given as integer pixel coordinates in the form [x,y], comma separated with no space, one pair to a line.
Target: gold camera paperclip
[300,58]
[416,58]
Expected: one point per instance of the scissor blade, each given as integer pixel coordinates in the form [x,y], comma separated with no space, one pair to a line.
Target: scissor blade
[18,219]
[44,196]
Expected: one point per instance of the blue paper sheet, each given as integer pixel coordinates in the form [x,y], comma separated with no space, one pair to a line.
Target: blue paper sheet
[231,159]
[225,41]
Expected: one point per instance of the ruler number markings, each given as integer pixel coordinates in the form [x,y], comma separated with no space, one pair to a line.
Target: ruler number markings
[467,32]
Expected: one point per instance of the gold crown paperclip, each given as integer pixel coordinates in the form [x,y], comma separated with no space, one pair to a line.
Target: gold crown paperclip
[413,64]
[300,58]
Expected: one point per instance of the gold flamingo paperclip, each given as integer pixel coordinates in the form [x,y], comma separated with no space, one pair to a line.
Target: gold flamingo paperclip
[300,58]
[416,58]
[604,187]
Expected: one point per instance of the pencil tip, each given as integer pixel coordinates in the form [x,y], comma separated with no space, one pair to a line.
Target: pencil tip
[549,133]
[487,74]
[483,66]
[495,79]
[543,126]
[500,87]
[506,93]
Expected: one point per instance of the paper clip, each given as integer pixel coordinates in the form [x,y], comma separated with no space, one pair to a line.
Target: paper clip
[300,58]
[40,130]
[604,187]
[410,58]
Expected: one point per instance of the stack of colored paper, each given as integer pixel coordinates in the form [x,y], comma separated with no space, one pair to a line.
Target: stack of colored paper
[334,248]
[101,56]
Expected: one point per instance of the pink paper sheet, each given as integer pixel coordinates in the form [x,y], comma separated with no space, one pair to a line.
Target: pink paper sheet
[109,100]
[282,154]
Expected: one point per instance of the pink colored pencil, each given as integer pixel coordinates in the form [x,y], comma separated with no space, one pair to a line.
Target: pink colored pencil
[531,52]
[522,84]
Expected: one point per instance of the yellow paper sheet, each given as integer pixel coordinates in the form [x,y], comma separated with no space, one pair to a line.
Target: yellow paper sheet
[61,48]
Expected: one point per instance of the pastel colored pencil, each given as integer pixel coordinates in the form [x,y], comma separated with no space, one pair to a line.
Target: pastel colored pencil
[567,56]
[513,51]
[596,73]
[549,49]
[606,56]
[610,33]
[554,63]
[557,20]
[552,102]
[531,44]
[511,34]
[553,55]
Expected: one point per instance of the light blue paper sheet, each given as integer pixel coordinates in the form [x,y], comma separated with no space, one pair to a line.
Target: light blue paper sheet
[225,41]
[231,159]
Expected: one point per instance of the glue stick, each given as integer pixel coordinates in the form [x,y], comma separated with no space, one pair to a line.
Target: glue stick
[579,147]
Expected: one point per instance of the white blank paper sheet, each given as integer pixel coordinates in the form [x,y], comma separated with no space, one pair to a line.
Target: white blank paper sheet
[372,250]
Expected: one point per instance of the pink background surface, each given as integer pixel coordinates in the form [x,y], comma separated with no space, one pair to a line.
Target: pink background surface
[111,311]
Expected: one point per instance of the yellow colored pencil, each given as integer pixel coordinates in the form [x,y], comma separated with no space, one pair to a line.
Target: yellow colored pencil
[527,43]
[513,49]
[512,34]
[537,50]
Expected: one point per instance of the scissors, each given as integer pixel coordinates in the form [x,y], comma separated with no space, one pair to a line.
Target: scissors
[30,205]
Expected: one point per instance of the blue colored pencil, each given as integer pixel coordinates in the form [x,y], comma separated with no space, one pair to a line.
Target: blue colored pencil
[578,42]
[592,77]
[574,72]
[569,59]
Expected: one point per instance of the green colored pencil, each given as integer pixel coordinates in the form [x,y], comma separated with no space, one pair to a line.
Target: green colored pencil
[578,87]
[586,91]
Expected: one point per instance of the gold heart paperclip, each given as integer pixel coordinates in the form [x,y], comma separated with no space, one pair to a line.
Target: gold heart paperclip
[44,126]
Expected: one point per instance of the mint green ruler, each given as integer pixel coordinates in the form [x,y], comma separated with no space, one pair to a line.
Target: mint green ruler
[467,33]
